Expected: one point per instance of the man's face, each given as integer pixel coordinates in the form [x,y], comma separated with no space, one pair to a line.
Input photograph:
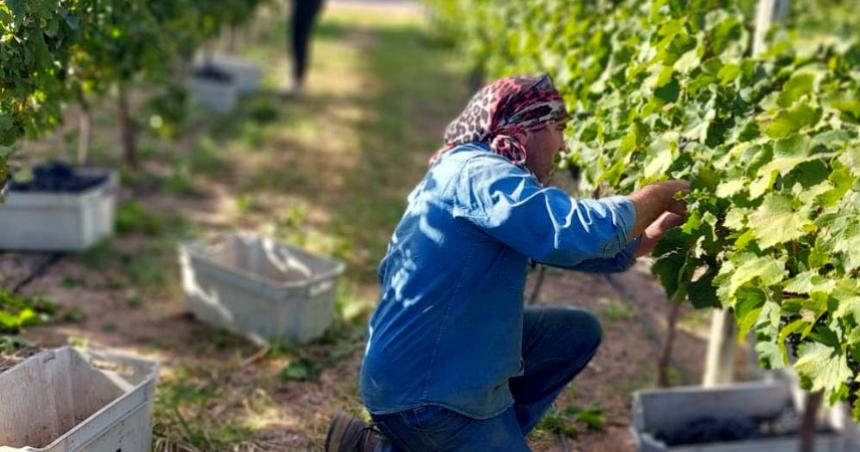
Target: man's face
[541,147]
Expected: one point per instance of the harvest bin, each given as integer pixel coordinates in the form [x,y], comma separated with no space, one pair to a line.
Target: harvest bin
[661,413]
[214,89]
[246,74]
[49,221]
[259,288]
[70,400]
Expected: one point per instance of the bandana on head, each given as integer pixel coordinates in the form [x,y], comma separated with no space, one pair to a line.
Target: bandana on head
[506,107]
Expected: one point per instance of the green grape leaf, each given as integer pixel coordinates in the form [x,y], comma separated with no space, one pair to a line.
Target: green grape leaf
[791,121]
[702,292]
[788,153]
[776,221]
[764,269]
[825,367]
[797,86]
[810,281]
[729,188]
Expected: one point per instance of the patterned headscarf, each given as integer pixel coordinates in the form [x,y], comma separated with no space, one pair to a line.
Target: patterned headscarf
[506,107]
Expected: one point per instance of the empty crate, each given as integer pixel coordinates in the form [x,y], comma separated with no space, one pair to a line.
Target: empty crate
[74,400]
[260,288]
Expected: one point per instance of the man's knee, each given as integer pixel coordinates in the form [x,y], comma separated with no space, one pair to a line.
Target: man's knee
[591,327]
[578,324]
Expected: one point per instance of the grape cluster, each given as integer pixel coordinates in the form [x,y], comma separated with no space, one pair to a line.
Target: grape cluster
[58,177]
[211,72]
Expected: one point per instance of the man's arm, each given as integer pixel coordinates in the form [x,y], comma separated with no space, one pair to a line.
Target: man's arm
[655,231]
[548,225]
[653,200]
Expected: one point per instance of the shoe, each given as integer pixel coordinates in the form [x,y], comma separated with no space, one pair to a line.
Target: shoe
[349,434]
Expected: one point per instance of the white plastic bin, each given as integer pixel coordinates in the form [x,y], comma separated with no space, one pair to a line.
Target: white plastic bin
[246,74]
[214,94]
[45,221]
[260,288]
[75,400]
[670,410]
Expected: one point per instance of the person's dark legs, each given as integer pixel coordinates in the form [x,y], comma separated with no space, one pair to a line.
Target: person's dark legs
[558,342]
[432,428]
[304,15]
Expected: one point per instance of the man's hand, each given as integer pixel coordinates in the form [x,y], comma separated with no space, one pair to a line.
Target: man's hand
[655,199]
[656,230]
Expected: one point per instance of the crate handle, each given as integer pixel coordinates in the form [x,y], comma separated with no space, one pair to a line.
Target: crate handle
[49,356]
[321,287]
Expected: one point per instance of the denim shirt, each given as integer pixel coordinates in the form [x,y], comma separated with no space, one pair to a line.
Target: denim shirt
[448,328]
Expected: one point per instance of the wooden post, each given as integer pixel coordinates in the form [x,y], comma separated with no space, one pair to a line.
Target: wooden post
[719,361]
[768,12]
[721,344]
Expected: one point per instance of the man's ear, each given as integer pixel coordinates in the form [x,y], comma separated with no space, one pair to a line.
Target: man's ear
[522,137]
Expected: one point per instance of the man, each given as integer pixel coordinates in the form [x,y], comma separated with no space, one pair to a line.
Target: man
[453,360]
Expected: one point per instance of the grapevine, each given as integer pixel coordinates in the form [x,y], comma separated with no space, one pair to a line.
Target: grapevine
[771,144]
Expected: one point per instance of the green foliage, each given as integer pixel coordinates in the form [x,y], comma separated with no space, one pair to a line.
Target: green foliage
[35,41]
[18,311]
[132,217]
[771,144]
[302,369]
[11,344]
[5,152]
[573,416]
[56,51]
[618,311]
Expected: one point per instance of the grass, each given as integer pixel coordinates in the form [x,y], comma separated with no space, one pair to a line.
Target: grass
[184,417]
[570,421]
[617,310]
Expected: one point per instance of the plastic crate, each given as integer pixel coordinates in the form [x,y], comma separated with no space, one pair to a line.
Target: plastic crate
[669,410]
[260,288]
[217,95]
[75,400]
[45,221]
[246,74]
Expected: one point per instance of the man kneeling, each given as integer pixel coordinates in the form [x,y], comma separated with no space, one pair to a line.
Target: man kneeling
[453,360]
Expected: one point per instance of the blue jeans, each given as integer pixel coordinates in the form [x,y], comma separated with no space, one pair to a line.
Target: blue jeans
[558,342]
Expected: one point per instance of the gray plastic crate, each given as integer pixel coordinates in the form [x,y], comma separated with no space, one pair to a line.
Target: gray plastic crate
[669,410]
[76,400]
[246,74]
[44,221]
[216,95]
[260,288]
